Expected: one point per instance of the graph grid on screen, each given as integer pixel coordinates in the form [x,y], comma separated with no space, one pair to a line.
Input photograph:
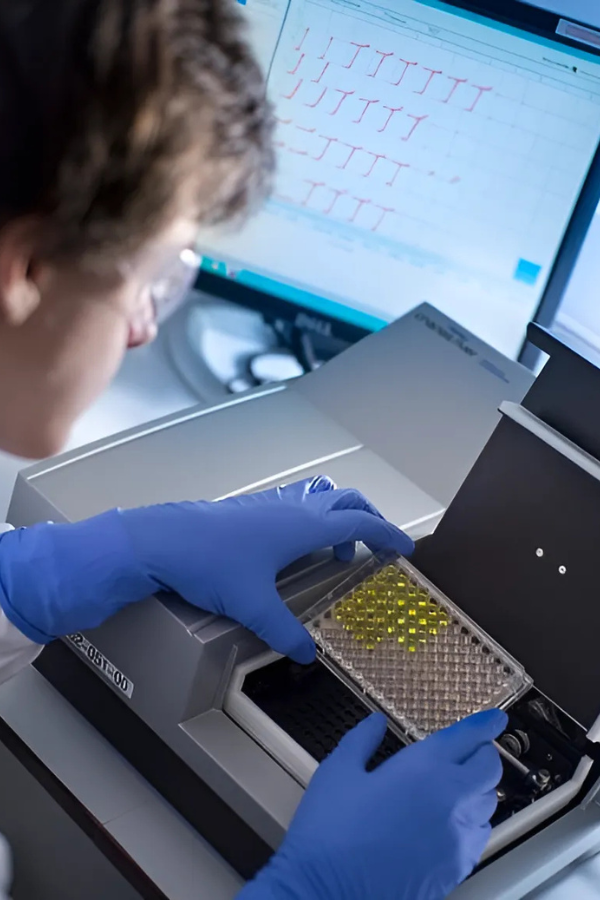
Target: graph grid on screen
[424,154]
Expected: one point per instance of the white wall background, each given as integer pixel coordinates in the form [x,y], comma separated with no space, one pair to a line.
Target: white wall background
[584,10]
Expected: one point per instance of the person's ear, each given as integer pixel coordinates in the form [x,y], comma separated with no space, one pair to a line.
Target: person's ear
[19,294]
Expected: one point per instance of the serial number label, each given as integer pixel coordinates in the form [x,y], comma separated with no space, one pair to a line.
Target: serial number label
[98,659]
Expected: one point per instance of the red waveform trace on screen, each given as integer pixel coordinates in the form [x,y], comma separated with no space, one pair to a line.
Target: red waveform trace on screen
[432,73]
[383,212]
[302,40]
[336,194]
[480,93]
[316,102]
[416,121]
[368,103]
[356,54]
[298,64]
[375,158]
[360,203]
[398,169]
[370,157]
[392,110]
[294,90]
[407,65]
[323,71]
[340,100]
[354,85]
[348,54]
[456,82]
[352,149]
[382,58]
[324,198]
[328,142]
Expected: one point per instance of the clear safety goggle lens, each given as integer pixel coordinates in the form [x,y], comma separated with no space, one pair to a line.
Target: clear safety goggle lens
[171,290]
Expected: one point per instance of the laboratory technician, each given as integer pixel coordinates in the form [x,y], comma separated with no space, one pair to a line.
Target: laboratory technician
[124,126]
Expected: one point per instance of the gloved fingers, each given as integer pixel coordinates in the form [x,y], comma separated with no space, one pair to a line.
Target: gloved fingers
[345,526]
[321,484]
[348,498]
[482,772]
[479,838]
[459,742]
[483,838]
[270,619]
[345,552]
[484,833]
[300,490]
[481,809]
[360,744]
[351,499]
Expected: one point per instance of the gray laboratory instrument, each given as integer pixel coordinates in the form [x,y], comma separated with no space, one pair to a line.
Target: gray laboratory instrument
[504,507]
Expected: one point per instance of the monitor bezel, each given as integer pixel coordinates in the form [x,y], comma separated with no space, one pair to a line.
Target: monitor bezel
[536,21]
[565,260]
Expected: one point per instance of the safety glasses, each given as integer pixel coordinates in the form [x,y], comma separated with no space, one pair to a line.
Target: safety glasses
[170,291]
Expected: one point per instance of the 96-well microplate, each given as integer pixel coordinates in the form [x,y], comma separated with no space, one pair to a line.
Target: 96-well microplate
[401,642]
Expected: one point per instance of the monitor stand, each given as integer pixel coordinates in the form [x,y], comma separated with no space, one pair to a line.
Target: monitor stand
[219,348]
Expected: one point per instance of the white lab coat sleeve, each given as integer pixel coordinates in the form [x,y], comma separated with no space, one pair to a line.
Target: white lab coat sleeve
[16,651]
[6,869]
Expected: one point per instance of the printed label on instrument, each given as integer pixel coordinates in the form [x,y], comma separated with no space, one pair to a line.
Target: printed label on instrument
[98,659]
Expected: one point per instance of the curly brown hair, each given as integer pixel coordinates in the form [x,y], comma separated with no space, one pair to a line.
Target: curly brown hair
[116,116]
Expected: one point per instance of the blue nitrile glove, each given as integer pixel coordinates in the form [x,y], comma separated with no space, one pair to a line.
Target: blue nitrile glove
[413,829]
[222,557]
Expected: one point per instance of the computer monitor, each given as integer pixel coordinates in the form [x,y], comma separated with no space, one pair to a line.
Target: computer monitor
[427,151]
[578,314]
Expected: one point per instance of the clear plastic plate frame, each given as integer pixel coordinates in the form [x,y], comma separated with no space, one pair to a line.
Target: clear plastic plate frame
[391,636]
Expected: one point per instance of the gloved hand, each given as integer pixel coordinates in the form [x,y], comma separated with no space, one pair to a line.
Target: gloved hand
[222,557]
[413,829]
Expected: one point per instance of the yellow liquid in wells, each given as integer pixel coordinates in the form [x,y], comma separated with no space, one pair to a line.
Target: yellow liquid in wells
[391,606]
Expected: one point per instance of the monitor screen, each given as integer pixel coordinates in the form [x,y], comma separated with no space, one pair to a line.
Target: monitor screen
[579,313]
[425,153]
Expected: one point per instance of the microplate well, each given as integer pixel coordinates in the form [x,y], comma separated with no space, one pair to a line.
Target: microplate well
[394,637]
